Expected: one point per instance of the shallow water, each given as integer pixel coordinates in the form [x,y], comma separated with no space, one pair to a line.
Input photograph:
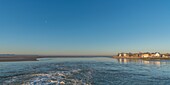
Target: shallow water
[85,71]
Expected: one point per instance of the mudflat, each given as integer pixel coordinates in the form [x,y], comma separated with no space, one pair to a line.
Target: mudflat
[18,58]
[34,58]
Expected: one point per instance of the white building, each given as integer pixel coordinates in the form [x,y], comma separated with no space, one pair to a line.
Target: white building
[157,54]
[145,55]
[122,54]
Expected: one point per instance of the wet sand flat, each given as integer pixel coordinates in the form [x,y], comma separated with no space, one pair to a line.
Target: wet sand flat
[34,58]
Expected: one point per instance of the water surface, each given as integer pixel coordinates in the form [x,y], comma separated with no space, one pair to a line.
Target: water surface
[85,71]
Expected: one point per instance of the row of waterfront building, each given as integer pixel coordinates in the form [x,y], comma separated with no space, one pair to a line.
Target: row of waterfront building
[144,55]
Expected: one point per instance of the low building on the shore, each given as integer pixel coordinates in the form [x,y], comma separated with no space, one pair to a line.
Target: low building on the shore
[136,55]
[150,55]
[165,55]
[123,54]
[119,55]
[144,55]
[157,54]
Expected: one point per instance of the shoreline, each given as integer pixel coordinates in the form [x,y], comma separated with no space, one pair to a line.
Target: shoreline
[156,58]
[34,58]
[13,59]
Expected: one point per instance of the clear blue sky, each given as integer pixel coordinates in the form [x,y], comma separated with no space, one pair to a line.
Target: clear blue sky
[84,27]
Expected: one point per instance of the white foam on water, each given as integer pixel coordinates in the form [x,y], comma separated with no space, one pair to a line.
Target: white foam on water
[51,78]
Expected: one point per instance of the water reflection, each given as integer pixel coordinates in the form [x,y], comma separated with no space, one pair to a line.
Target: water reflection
[86,71]
[146,62]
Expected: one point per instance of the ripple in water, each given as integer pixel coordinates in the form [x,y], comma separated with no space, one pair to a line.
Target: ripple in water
[62,76]
[111,72]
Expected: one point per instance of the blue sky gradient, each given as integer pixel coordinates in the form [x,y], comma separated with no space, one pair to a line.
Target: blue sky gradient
[84,27]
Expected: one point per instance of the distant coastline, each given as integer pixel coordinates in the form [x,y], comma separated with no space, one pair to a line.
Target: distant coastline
[145,56]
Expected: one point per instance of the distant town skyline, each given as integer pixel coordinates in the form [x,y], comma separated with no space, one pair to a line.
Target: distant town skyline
[84,27]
